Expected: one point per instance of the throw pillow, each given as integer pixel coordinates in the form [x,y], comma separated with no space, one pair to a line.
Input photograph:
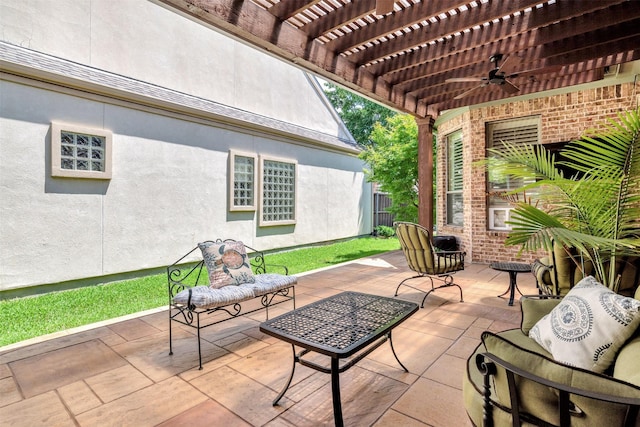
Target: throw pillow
[588,327]
[227,263]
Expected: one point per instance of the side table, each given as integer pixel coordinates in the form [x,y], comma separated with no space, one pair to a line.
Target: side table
[513,268]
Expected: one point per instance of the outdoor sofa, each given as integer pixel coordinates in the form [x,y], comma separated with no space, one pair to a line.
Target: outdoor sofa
[557,273]
[512,380]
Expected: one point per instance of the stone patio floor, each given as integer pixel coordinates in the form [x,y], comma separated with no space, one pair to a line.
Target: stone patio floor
[120,373]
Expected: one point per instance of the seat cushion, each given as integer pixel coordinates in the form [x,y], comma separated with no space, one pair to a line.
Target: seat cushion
[207,297]
[533,309]
[270,282]
[627,365]
[542,401]
[589,326]
[541,269]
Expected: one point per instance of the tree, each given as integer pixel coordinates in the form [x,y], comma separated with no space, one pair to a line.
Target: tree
[358,113]
[393,158]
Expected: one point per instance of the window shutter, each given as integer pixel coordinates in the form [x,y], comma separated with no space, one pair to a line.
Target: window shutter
[520,131]
[454,174]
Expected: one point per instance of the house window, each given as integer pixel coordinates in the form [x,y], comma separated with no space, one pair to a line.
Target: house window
[514,132]
[278,196]
[80,152]
[242,194]
[455,211]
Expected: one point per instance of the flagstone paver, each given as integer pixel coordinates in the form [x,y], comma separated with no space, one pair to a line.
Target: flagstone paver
[122,374]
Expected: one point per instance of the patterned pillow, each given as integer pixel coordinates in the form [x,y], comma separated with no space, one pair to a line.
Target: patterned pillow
[227,263]
[588,327]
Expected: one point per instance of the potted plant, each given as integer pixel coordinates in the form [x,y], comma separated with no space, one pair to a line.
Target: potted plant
[594,209]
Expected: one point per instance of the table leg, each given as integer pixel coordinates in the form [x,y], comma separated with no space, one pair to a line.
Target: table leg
[286,386]
[513,287]
[335,392]
[394,353]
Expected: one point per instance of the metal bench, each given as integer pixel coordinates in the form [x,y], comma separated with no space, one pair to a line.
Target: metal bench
[192,301]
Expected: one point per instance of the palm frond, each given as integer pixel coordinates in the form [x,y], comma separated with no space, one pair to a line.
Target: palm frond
[595,211]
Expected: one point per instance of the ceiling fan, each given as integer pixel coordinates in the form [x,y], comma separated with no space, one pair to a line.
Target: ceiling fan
[496,77]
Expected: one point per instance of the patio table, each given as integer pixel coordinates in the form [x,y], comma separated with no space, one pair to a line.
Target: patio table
[344,325]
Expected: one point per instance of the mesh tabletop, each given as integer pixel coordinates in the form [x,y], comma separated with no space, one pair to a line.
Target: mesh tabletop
[517,267]
[341,324]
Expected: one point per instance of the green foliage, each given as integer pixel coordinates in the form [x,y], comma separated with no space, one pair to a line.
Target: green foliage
[393,162]
[384,231]
[311,258]
[595,210]
[359,114]
[24,318]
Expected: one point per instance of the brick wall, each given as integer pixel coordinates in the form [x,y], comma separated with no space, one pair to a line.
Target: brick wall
[562,118]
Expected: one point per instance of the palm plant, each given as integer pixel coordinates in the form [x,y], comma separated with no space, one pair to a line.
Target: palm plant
[595,210]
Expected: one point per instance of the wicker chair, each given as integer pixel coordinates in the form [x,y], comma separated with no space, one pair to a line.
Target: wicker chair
[422,258]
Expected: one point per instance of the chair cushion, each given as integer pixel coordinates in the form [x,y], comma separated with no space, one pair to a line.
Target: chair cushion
[447,263]
[207,297]
[589,326]
[627,367]
[541,269]
[227,263]
[533,309]
[542,401]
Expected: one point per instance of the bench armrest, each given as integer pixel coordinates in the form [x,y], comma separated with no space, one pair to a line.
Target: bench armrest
[269,268]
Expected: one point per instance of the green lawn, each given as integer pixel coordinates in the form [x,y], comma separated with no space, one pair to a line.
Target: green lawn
[24,318]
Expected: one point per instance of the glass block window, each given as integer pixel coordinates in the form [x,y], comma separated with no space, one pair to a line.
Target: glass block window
[242,193]
[80,152]
[278,197]
[455,205]
[516,131]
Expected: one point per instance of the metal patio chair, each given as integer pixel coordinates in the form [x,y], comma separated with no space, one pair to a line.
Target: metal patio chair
[425,260]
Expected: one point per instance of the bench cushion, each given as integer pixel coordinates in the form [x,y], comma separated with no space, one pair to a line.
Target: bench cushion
[206,297]
[269,282]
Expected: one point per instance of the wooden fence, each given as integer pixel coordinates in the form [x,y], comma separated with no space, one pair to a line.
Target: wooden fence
[381,202]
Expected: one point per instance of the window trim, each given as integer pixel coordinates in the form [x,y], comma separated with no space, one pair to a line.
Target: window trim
[56,144]
[261,221]
[232,179]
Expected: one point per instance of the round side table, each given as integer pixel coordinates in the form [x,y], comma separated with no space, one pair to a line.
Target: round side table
[513,268]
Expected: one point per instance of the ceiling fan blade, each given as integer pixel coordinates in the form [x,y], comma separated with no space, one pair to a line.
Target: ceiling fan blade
[464,79]
[538,70]
[463,94]
[384,6]
[509,87]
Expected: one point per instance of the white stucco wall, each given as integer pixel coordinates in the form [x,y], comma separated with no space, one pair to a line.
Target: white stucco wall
[145,41]
[168,191]
[170,161]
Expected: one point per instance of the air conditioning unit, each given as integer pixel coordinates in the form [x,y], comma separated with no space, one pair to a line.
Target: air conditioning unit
[498,218]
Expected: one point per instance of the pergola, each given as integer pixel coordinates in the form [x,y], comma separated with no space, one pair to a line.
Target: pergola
[424,57]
